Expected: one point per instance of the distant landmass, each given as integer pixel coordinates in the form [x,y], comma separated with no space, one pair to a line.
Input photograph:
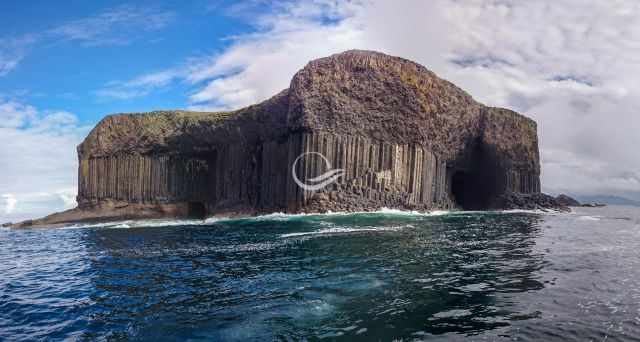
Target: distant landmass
[608,199]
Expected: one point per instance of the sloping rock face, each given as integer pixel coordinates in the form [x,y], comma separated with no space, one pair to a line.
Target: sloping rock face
[567,200]
[404,137]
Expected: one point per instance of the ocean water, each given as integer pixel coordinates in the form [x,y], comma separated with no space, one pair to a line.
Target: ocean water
[523,276]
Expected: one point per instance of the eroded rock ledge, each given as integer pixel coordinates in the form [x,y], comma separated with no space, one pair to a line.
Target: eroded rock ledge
[405,138]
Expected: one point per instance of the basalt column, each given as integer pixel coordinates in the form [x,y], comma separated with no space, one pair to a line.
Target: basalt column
[376,174]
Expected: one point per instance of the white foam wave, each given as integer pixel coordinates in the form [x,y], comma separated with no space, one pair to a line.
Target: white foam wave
[344,230]
[382,211]
[389,211]
[589,218]
[280,216]
[529,211]
[137,224]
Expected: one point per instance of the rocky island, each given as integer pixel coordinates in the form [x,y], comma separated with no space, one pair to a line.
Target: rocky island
[402,137]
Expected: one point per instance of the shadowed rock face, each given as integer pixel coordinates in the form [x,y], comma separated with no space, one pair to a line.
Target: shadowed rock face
[405,138]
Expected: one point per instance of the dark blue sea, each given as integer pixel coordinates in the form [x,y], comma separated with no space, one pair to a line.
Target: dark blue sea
[521,276]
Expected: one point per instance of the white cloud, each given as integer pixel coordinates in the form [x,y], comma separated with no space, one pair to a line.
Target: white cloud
[10,202]
[8,63]
[15,115]
[118,25]
[68,197]
[140,86]
[38,158]
[260,64]
[12,51]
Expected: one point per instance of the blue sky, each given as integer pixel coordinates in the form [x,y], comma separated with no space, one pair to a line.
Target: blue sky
[67,70]
[571,65]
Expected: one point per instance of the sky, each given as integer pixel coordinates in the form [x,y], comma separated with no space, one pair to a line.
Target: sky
[572,65]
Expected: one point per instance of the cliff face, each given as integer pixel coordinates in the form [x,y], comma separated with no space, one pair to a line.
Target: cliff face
[384,98]
[404,138]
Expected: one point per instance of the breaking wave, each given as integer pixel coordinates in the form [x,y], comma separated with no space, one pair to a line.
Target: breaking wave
[344,230]
[279,216]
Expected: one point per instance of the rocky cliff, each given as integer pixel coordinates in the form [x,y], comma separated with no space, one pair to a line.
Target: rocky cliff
[404,137]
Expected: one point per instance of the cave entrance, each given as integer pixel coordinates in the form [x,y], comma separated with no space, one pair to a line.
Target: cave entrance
[468,190]
[197,210]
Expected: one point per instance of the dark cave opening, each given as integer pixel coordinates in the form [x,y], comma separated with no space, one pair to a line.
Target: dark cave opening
[466,191]
[197,210]
[477,177]
[477,188]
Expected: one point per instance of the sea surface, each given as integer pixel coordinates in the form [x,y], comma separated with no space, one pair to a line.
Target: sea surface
[522,276]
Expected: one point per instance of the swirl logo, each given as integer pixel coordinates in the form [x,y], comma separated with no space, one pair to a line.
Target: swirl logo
[319,182]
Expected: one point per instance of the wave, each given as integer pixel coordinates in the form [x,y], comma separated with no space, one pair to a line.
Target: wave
[280,216]
[343,230]
[589,218]
[529,211]
[382,211]
[138,224]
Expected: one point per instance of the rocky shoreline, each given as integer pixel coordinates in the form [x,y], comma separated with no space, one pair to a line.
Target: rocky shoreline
[115,212]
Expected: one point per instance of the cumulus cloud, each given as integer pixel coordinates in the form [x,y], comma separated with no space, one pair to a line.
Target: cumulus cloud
[267,58]
[38,160]
[569,64]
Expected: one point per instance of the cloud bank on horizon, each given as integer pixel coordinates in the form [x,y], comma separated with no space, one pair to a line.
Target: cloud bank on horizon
[37,158]
[571,65]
